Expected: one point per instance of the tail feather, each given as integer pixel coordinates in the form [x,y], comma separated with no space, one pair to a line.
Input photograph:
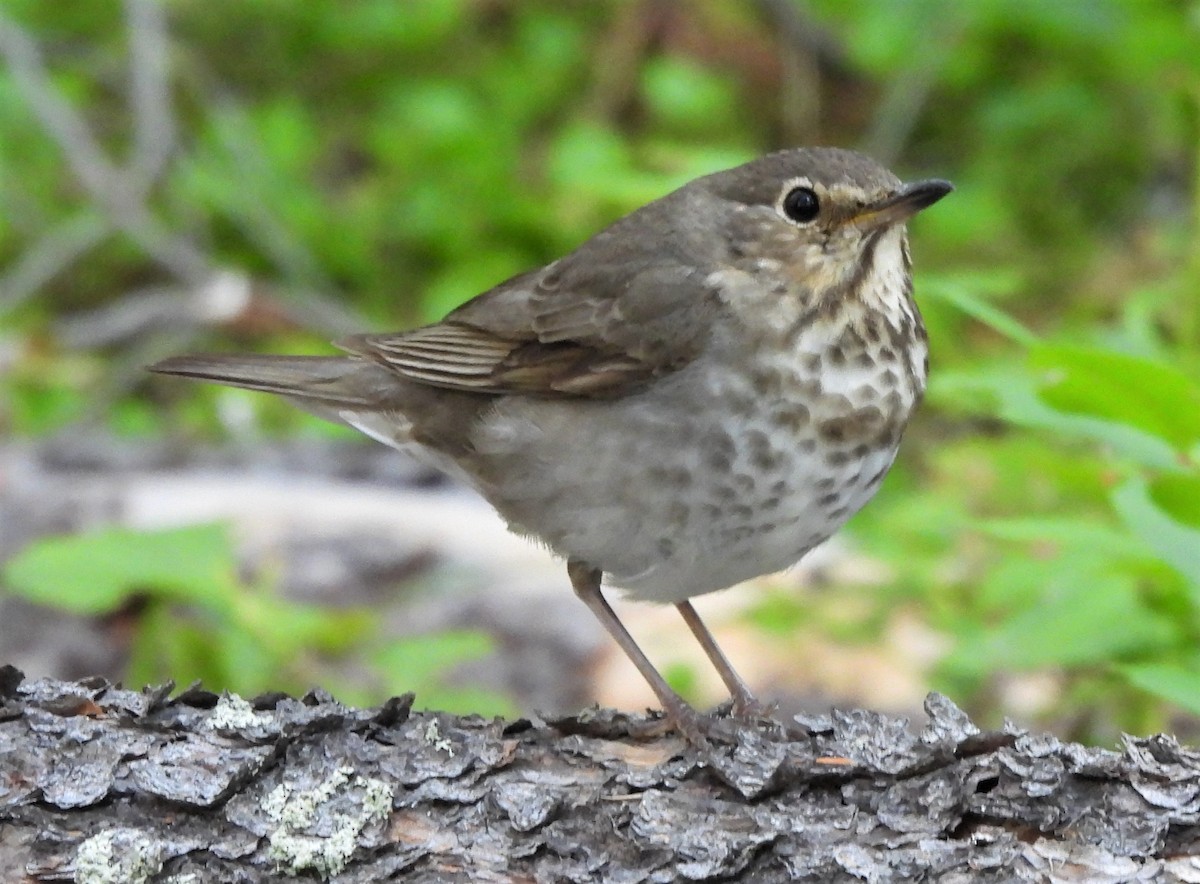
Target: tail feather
[328,381]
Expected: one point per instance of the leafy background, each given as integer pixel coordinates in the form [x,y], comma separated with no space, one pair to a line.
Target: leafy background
[372,164]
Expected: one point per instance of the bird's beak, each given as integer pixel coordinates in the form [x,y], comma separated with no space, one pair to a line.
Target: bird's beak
[901,205]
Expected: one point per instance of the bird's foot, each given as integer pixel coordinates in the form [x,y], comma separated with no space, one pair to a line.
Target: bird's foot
[693,726]
[748,707]
[748,712]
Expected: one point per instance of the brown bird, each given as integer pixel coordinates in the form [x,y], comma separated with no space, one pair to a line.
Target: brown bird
[699,394]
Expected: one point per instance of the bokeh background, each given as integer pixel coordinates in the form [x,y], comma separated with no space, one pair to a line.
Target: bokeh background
[265,174]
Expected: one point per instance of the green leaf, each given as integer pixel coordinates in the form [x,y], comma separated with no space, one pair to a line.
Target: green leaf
[421,663]
[1092,620]
[682,677]
[168,646]
[423,658]
[1067,532]
[688,97]
[247,665]
[1179,497]
[1178,684]
[1016,400]
[97,572]
[291,628]
[1143,393]
[964,292]
[1060,552]
[1176,543]
[468,701]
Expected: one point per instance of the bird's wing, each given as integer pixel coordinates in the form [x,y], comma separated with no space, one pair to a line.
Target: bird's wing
[574,328]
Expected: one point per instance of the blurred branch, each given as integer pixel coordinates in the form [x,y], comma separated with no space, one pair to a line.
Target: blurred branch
[113,189]
[908,91]
[58,118]
[808,52]
[261,225]
[49,255]
[802,34]
[149,89]
[622,49]
[120,193]
[149,311]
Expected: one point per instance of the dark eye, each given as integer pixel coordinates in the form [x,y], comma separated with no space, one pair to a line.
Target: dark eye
[801,205]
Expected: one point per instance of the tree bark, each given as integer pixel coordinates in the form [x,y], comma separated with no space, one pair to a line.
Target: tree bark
[98,783]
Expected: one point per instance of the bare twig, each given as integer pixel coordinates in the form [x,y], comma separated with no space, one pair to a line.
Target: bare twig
[908,90]
[809,53]
[46,258]
[59,119]
[121,192]
[112,188]
[149,89]
[800,95]
[150,311]
[622,49]
[799,31]
[262,225]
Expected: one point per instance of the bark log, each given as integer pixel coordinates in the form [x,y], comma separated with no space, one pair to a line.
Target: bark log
[102,784]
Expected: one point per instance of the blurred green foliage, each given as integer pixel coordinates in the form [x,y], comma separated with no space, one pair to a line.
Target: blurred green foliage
[1110,595]
[198,621]
[402,157]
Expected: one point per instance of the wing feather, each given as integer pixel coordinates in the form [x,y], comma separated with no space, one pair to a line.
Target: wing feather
[581,327]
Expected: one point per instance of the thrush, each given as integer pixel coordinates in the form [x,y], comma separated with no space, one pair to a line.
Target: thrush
[697,395]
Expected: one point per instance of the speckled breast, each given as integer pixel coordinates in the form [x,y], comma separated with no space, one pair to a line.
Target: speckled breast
[784,449]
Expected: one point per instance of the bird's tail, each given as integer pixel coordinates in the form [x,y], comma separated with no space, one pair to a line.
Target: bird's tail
[317,382]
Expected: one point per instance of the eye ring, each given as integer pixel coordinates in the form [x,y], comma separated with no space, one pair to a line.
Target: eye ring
[801,204]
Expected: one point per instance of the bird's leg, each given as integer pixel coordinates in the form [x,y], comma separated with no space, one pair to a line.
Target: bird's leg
[744,702]
[586,582]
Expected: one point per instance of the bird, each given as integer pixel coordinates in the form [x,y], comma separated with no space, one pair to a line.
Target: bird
[697,395]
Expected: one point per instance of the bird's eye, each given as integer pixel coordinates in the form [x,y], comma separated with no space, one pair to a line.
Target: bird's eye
[801,205]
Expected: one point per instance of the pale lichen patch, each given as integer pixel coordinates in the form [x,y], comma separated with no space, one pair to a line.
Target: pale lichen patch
[118,856]
[433,736]
[292,845]
[232,713]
